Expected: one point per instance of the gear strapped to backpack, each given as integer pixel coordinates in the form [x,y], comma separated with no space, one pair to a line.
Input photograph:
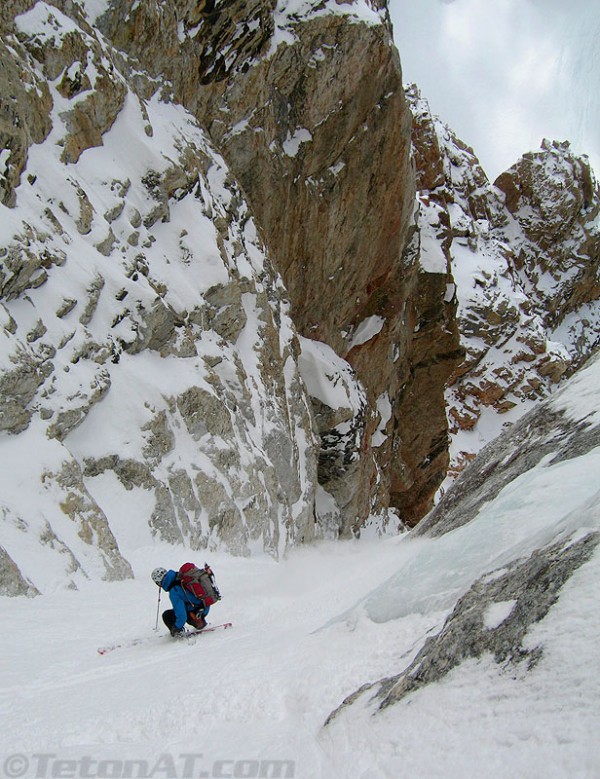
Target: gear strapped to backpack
[200,582]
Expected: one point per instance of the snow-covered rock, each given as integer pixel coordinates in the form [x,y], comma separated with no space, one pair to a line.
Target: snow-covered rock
[149,363]
[555,200]
[340,405]
[305,101]
[184,190]
[525,257]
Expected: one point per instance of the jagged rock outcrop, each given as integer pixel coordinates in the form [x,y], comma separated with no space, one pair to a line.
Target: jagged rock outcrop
[24,120]
[493,617]
[310,114]
[12,582]
[525,256]
[339,405]
[555,199]
[148,357]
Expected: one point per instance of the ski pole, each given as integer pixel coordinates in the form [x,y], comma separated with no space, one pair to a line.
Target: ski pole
[157,609]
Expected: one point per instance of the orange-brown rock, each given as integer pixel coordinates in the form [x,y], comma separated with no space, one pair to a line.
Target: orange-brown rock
[525,256]
[554,197]
[311,116]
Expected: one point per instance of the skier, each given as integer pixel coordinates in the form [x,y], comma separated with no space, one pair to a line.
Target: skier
[187,607]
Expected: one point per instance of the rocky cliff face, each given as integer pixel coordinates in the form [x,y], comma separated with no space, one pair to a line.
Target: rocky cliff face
[228,307]
[526,259]
[309,112]
[149,364]
[132,267]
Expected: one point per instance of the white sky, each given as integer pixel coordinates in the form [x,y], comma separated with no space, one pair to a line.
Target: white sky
[506,73]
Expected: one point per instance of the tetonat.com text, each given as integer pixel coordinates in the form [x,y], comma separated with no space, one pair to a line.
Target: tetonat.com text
[165,766]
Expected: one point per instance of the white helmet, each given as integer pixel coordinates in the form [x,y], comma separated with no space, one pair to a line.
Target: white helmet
[158,574]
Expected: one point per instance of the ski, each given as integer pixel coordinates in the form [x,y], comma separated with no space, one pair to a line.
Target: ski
[104,650]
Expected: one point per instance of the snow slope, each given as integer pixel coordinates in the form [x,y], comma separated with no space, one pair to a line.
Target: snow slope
[252,701]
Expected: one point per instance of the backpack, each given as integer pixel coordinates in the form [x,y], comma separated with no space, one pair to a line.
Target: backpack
[200,582]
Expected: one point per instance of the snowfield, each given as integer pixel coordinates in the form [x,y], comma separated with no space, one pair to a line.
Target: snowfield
[260,691]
